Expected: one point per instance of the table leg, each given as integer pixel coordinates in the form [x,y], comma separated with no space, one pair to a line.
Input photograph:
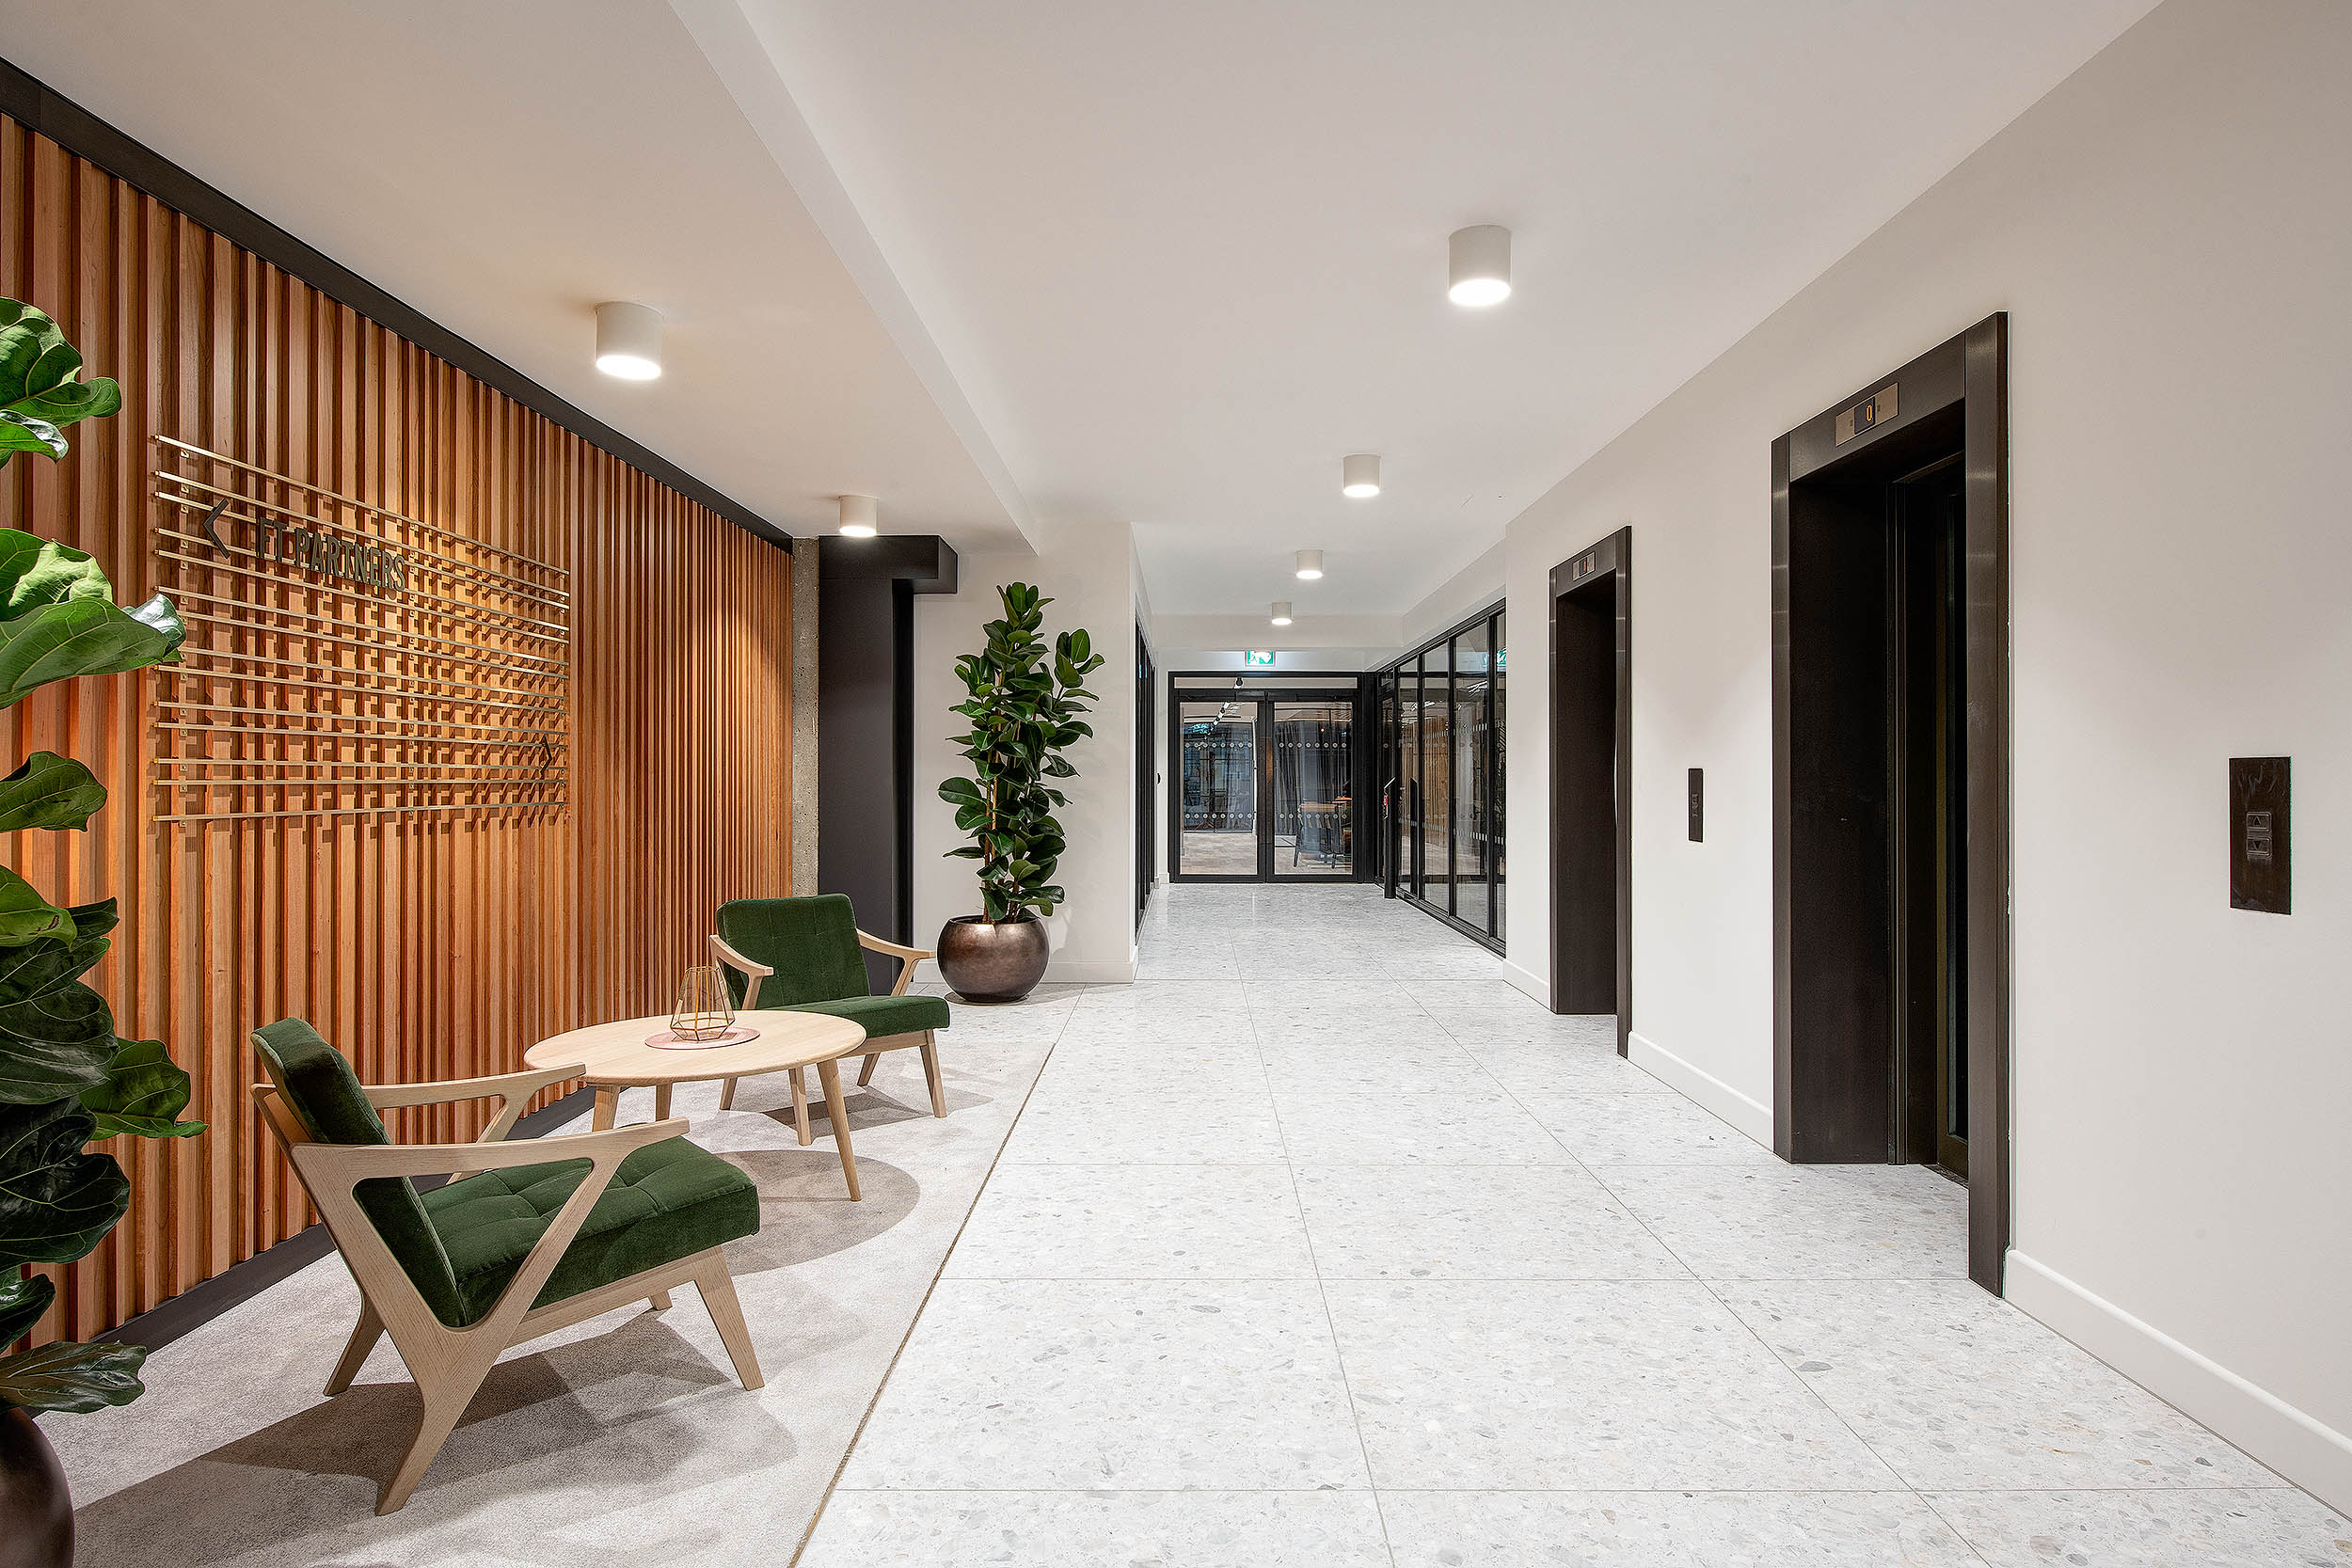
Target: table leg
[829,1074]
[607,1100]
[661,1103]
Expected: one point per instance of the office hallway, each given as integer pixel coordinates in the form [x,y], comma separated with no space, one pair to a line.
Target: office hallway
[1322,1246]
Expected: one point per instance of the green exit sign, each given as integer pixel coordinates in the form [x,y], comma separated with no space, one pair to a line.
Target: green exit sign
[1258,658]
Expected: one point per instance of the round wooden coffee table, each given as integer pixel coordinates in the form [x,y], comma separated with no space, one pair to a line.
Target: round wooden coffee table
[614,1056]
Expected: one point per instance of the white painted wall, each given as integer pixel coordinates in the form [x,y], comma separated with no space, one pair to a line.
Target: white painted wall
[1087,572]
[2169,231]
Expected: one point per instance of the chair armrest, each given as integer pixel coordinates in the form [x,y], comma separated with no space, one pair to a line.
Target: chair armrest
[754,973]
[908,958]
[513,1089]
[344,1166]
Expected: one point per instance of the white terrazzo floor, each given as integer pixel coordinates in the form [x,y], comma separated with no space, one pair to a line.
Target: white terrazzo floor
[1321,1246]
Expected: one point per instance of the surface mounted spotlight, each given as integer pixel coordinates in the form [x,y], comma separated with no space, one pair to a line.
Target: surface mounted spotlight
[1310,564]
[1360,474]
[1478,265]
[1281,612]
[628,340]
[857,518]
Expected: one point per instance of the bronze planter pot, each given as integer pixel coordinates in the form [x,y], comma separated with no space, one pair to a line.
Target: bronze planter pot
[35,1514]
[1002,962]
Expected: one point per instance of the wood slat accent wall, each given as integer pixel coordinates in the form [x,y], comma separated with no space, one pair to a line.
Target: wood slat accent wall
[432,945]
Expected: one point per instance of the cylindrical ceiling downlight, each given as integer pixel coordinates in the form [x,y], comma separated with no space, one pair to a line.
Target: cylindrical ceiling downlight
[628,340]
[1360,475]
[858,517]
[1309,565]
[1478,268]
[1281,612]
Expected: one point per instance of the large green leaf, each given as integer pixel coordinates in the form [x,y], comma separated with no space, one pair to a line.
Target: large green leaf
[27,916]
[55,1201]
[59,619]
[143,1095]
[39,385]
[49,791]
[57,1035]
[22,1300]
[24,432]
[72,1378]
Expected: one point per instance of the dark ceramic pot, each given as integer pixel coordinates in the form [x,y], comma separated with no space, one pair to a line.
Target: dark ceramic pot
[1002,962]
[35,1514]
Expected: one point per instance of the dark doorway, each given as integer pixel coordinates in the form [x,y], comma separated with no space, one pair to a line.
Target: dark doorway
[1890,780]
[1147,772]
[1591,845]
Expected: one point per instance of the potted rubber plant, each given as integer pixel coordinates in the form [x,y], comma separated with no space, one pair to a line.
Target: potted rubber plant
[64,1080]
[1026,706]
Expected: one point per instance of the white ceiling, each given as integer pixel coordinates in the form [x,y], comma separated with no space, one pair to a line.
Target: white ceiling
[1182,257]
[1007,265]
[503,166]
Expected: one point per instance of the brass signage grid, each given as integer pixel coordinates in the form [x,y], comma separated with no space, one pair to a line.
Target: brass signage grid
[343,660]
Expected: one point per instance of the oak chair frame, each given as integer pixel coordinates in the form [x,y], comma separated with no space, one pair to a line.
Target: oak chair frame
[448,1364]
[920,1039]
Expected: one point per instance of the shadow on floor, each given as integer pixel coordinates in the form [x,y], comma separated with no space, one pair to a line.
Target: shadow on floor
[300,1483]
[805,1213]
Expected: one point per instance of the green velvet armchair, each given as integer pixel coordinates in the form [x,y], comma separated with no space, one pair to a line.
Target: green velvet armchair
[528,1239]
[807,954]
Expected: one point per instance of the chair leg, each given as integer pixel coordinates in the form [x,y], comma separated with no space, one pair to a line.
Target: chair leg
[443,1405]
[800,1107]
[727,1095]
[660,1300]
[726,1315]
[829,1074]
[363,1337]
[930,1074]
[866,1073]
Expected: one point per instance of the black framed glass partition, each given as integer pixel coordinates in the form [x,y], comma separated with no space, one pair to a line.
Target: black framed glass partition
[1441,750]
[1266,785]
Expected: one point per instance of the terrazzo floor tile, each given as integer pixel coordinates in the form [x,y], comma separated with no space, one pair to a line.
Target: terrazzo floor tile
[1466,1126]
[1957,1388]
[1642,1128]
[1215,1121]
[1101,1529]
[1052,1385]
[1169,1027]
[1514,1024]
[1562,1384]
[1518,1066]
[1483,1222]
[1136,1222]
[1801,1222]
[1670,1529]
[1323,1066]
[2275,1528]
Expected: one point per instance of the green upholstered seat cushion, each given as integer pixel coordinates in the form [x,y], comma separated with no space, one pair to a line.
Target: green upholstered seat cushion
[810,942]
[327,1096]
[669,1200]
[885,1015]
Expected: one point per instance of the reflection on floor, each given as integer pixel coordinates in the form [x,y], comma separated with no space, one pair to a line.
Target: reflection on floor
[623,1439]
[1219,854]
[1323,1247]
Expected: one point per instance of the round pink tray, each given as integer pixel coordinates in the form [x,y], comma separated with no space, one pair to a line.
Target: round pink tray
[668,1040]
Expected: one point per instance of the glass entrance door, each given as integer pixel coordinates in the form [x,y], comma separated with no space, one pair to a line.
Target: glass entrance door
[1267,787]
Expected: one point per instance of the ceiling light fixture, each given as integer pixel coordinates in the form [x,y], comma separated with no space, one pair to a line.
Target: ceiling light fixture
[1360,474]
[1310,564]
[1478,268]
[857,518]
[628,340]
[1281,612]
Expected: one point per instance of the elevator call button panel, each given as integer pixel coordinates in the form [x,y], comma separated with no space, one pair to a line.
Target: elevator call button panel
[2259,794]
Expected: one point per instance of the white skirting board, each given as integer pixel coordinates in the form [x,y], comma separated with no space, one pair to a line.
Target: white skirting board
[1527,981]
[2306,1450]
[1702,1087]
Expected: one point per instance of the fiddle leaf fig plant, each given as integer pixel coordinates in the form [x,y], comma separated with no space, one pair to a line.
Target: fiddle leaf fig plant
[65,1079]
[1026,707]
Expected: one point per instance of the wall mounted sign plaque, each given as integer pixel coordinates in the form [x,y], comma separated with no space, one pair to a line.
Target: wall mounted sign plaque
[347,660]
